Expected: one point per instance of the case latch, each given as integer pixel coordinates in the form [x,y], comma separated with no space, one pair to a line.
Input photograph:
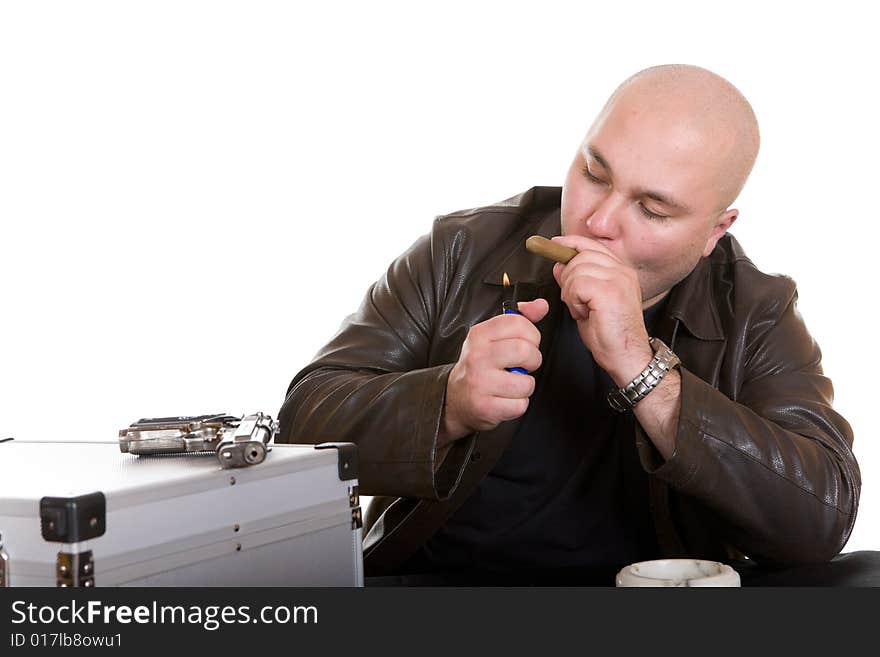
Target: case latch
[75,569]
[354,500]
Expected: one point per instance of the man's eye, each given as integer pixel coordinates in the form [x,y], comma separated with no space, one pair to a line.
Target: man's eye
[652,215]
[589,176]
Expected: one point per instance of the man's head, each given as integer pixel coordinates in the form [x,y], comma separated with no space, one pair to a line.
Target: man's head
[658,170]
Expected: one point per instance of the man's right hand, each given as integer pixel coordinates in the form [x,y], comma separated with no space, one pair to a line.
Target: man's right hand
[480,392]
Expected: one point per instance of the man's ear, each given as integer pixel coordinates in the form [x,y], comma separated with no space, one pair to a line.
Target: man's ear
[722,223]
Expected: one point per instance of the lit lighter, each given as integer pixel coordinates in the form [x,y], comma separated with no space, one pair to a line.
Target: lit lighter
[508,306]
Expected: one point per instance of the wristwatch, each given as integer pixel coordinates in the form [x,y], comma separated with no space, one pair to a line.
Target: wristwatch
[632,393]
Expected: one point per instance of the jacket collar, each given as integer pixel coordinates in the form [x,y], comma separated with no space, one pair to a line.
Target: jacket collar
[691,302]
[539,208]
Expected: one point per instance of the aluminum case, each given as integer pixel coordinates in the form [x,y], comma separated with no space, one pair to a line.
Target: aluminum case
[178,520]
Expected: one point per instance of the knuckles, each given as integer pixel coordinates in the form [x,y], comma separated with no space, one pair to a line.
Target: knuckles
[478,375]
[481,407]
[518,408]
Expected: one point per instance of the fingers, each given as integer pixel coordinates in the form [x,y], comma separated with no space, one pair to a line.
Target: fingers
[505,327]
[479,399]
[597,263]
[535,310]
[505,385]
[498,397]
[583,244]
[514,352]
[480,392]
[509,409]
[503,342]
[599,257]
[593,279]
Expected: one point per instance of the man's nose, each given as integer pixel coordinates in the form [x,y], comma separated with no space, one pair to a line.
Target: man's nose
[604,222]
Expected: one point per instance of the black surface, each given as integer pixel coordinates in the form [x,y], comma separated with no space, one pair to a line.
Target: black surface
[852,569]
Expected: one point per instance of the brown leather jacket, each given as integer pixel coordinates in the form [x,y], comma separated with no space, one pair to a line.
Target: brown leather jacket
[763,465]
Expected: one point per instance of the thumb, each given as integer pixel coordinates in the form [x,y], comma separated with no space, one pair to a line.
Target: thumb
[557,272]
[534,311]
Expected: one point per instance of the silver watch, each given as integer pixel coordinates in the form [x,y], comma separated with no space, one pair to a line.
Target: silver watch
[627,397]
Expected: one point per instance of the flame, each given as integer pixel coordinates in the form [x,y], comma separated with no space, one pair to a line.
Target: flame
[505,280]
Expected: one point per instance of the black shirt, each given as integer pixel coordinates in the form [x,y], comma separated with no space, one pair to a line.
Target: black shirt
[569,494]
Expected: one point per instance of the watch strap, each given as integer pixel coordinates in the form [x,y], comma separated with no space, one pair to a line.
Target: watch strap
[625,398]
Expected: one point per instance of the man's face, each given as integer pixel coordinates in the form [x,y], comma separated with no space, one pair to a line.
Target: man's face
[645,185]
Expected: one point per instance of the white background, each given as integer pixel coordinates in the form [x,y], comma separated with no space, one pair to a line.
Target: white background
[194,194]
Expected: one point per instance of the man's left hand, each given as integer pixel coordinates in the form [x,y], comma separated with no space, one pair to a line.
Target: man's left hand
[604,297]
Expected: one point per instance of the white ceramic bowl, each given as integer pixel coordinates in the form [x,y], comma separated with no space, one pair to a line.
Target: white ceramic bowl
[677,572]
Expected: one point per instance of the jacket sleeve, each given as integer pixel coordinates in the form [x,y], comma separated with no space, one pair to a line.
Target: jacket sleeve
[372,384]
[776,465]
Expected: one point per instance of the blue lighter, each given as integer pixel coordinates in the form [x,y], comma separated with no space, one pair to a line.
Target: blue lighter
[508,307]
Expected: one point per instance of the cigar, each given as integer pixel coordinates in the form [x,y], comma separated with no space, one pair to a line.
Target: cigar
[551,250]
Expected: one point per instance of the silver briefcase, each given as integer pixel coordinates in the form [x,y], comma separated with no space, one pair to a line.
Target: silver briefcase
[86,514]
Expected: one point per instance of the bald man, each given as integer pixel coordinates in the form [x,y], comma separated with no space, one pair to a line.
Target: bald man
[658,396]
